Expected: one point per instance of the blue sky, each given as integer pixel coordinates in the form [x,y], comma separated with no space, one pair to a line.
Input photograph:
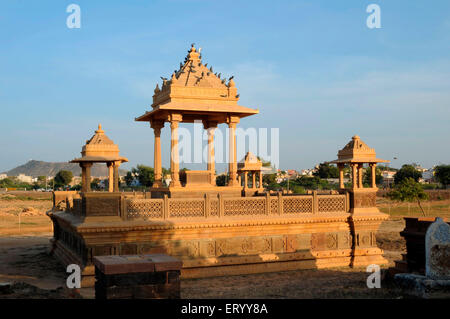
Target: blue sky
[313,69]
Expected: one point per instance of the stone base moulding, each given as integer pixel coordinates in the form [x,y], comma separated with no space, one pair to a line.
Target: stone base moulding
[228,246]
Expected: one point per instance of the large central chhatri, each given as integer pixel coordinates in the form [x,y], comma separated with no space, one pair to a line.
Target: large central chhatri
[195,93]
[214,231]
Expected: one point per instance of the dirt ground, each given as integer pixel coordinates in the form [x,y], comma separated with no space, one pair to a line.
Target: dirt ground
[24,213]
[25,260]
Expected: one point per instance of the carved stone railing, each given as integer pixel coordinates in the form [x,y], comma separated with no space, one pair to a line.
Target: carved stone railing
[234,207]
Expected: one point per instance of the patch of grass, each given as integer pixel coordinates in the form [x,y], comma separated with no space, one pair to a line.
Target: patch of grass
[23,198]
[432,210]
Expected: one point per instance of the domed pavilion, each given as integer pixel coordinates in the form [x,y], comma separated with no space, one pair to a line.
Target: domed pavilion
[100,149]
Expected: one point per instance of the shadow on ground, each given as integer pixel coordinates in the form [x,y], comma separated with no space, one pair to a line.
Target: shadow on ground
[26,261]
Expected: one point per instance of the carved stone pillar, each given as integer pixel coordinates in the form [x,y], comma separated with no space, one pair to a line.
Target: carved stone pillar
[341,176]
[116,176]
[211,127]
[260,180]
[174,155]
[83,178]
[232,121]
[110,177]
[360,175]
[354,175]
[86,177]
[253,180]
[245,180]
[373,166]
[157,126]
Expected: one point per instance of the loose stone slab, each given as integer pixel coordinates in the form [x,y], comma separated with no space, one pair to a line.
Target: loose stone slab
[137,276]
[136,263]
[437,250]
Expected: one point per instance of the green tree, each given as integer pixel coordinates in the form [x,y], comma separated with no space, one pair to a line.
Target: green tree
[76,187]
[367,177]
[129,178]
[296,189]
[407,171]
[63,178]
[311,183]
[95,184]
[144,174]
[442,173]
[270,181]
[264,162]
[221,180]
[7,182]
[408,190]
[327,171]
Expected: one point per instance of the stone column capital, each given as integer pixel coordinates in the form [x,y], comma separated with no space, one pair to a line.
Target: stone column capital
[232,120]
[175,117]
[117,163]
[157,125]
[86,164]
[210,125]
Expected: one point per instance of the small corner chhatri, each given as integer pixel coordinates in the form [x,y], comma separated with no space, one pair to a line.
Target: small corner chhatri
[100,149]
[355,154]
[195,93]
[253,166]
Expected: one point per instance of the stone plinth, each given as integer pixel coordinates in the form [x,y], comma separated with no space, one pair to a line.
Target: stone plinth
[137,277]
[199,178]
[216,236]
[414,234]
[437,250]
[436,282]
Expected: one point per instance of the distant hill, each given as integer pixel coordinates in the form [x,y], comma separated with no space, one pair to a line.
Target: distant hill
[40,168]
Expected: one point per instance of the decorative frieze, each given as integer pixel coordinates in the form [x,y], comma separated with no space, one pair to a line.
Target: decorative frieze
[234,206]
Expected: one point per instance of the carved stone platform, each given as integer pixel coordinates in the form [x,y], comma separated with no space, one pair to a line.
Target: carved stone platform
[219,236]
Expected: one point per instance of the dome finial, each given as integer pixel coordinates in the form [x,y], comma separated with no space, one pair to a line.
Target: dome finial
[193,54]
[99,131]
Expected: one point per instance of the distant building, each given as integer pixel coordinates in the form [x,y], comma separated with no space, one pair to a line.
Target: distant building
[3,176]
[388,178]
[75,181]
[420,168]
[292,173]
[428,175]
[25,179]
[308,172]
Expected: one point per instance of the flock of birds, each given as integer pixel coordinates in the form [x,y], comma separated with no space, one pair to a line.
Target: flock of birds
[191,66]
